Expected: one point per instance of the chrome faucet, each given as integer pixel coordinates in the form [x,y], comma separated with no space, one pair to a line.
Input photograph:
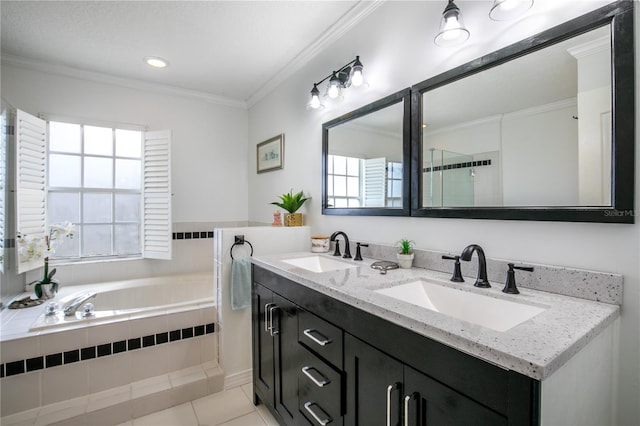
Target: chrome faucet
[482,280]
[71,307]
[347,252]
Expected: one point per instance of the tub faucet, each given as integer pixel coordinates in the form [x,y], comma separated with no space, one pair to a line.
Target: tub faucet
[347,252]
[71,307]
[482,280]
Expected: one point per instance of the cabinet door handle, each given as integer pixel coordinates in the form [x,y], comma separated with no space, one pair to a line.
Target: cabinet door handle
[320,383]
[406,409]
[322,420]
[272,328]
[390,389]
[267,327]
[325,340]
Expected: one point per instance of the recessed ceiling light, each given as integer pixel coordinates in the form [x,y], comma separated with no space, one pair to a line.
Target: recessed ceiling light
[155,62]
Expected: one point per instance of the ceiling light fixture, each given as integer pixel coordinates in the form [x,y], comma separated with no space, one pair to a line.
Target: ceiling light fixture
[348,75]
[156,62]
[504,10]
[452,30]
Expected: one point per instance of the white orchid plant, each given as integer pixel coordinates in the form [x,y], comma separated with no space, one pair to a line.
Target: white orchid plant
[33,248]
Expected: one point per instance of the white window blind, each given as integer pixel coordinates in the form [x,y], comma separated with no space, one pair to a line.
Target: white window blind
[30,181]
[156,215]
[374,182]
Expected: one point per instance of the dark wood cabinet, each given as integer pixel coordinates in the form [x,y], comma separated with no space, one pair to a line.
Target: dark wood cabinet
[276,353]
[319,361]
[374,385]
[428,402]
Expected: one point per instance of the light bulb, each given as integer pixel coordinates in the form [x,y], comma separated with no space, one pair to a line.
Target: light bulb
[356,78]
[451,29]
[315,102]
[503,10]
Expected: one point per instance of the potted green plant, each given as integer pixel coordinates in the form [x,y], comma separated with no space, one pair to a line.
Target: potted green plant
[405,253]
[291,203]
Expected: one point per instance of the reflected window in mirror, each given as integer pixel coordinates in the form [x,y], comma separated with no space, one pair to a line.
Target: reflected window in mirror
[364,157]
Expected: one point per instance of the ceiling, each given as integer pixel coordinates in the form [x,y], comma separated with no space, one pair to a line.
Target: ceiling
[233,51]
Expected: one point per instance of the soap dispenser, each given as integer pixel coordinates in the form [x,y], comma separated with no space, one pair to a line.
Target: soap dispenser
[510,285]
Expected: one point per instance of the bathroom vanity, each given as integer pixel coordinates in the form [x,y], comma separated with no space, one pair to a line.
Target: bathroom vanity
[330,347]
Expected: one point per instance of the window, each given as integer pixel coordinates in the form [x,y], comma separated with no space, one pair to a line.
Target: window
[394,184]
[94,181]
[344,181]
[113,184]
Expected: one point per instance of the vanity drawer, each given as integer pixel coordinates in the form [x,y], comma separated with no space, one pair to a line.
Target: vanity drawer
[321,337]
[319,391]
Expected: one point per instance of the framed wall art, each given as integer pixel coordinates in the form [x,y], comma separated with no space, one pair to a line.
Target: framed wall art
[270,154]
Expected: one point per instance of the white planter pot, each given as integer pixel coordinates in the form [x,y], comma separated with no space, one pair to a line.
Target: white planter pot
[405,260]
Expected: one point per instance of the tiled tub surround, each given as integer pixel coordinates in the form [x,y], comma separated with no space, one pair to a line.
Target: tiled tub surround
[118,354]
[535,348]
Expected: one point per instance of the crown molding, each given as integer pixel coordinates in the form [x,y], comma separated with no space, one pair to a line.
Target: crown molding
[357,13]
[50,68]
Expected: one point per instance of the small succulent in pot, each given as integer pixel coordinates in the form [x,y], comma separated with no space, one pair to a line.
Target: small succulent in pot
[291,203]
[405,253]
[405,246]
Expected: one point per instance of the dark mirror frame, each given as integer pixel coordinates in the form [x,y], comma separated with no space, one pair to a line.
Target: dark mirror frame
[620,15]
[401,96]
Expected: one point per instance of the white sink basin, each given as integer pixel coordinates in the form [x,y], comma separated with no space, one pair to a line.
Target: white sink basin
[487,311]
[319,263]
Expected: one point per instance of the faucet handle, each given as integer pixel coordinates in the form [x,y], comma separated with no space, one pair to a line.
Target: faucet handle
[510,285]
[358,255]
[457,272]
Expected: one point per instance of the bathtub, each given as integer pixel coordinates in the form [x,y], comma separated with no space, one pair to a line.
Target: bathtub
[142,329]
[131,298]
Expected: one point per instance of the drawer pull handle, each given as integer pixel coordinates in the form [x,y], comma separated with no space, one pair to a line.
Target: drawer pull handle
[267,327]
[322,342]
[320,383]
[272,328]
[390,389]
[406,409]
[322,420]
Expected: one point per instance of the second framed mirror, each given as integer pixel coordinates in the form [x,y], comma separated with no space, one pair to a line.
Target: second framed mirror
[365,160]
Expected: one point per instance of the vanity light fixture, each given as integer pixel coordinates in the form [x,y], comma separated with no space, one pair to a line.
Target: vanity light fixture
[156,62]
[504,10]
[348,75]
[452,30]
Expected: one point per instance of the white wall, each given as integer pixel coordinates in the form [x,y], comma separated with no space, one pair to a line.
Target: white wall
[396,48]
[209,142]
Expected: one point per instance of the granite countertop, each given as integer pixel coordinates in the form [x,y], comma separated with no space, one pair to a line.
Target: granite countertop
[536,347]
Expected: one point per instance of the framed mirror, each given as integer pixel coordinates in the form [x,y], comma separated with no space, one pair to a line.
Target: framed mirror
[365,159]
[540,130]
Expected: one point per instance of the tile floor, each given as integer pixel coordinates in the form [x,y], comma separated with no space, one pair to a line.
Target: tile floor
[228,408]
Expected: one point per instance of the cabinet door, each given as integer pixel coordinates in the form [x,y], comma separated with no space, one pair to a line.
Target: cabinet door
[431,403]
[287,354]
[374,385]
[263,363]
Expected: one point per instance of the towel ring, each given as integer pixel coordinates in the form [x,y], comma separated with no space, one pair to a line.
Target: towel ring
[237,243]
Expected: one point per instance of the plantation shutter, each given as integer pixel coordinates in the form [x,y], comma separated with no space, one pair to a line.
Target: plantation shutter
[374,182]
[156,216]
[5,130]
[30,181]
